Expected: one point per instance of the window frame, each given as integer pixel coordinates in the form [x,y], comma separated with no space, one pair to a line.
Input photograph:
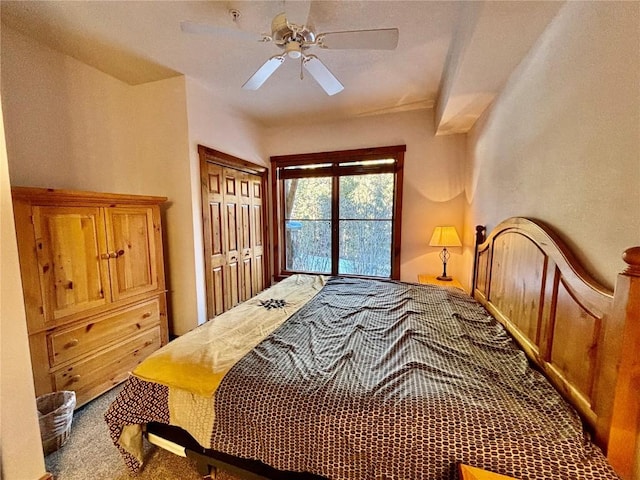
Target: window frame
[283,167]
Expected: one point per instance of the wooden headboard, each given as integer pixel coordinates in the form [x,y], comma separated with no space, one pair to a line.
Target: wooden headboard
[582,336]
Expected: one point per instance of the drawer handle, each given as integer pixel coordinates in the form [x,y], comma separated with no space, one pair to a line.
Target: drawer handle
[146,315]
[74,379]
[72,343]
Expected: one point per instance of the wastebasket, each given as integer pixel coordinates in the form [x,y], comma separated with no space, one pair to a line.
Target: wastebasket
[55,413]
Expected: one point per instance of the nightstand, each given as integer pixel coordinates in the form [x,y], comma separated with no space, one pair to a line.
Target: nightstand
[433,280]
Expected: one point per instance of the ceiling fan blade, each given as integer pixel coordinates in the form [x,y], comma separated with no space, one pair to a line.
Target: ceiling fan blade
[203,28]
[322,75]
[263,73]
[380,39]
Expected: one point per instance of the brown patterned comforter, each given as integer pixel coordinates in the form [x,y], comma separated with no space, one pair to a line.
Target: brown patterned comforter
[376,379]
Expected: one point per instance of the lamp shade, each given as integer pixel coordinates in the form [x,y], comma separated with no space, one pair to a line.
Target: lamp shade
[445,237]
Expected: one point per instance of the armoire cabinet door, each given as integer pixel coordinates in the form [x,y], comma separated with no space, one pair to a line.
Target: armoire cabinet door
[73,269]
[132,251]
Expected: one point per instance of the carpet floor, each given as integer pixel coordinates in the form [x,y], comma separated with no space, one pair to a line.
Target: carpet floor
[89,452]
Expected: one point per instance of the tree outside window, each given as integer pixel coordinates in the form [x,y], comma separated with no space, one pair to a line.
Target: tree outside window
[338,213]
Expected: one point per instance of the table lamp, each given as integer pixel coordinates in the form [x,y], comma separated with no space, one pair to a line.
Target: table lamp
[445,237]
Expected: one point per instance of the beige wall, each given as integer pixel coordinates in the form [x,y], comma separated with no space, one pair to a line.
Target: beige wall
[67,125]
[223,129]
[562,141]
[20,449]
[161,155]
[433,175]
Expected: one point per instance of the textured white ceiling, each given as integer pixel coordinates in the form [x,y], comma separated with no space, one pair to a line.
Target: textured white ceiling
[141,41]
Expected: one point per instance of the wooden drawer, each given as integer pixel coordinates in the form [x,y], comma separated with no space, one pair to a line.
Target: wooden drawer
[94,375]
[69,343]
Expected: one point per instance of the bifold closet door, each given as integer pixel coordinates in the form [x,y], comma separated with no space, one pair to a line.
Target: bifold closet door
[233,236]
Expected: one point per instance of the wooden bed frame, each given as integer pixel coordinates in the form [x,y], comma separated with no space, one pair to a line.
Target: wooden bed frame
[583,337]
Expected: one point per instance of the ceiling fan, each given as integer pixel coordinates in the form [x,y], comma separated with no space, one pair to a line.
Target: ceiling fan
[295,40]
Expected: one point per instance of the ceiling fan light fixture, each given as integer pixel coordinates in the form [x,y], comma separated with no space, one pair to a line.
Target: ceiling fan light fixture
[293,49]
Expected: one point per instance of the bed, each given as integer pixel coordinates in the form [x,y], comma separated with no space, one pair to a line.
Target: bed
[358,378]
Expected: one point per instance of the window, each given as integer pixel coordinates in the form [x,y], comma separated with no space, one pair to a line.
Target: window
[338,213]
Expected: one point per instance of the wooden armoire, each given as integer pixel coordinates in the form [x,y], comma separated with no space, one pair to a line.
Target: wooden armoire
[234,229]
[94,290]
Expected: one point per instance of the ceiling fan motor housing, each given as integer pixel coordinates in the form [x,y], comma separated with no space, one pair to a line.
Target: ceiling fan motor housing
[283,32]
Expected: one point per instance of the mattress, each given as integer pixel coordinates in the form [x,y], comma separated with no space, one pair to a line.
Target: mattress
[381,379]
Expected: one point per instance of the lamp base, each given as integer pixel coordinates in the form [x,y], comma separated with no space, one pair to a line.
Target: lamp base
[444,278]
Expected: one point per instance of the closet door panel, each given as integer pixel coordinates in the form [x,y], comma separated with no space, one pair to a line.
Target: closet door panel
[233,282]
[215,239]
[245,234]
[258,274]
[257,234]
[232,287]
[218,259]
[217,294]
[232,225]
[246,251]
